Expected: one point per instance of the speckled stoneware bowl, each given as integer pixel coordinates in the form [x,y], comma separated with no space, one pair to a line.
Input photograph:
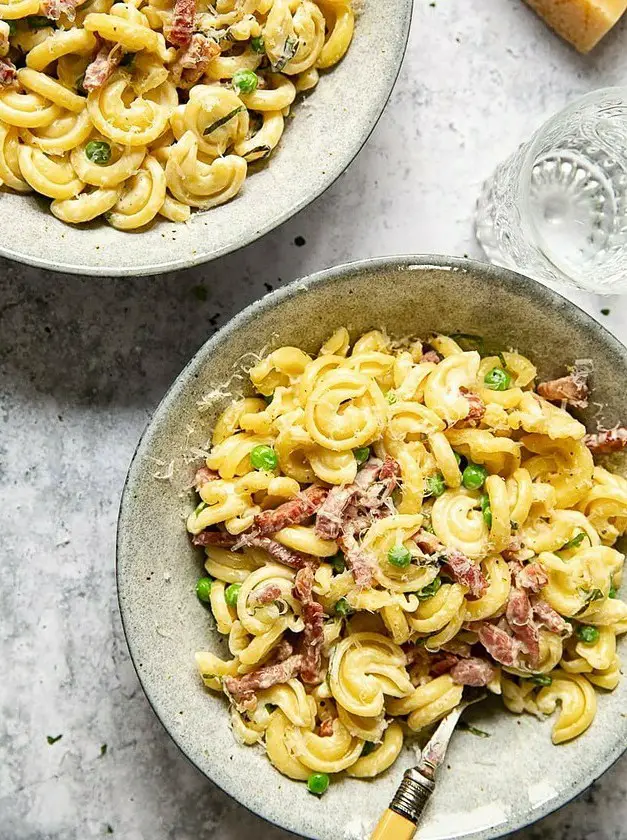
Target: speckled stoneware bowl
[328,129]
[490,786]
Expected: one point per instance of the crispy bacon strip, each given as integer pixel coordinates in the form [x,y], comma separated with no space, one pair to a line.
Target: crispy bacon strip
[220,538]
[330,516]
[313,619]
[500,645]
[293,512]
[55,8]
[474,672]
[203,476]
[242,689]
[476,409]
[532,576]
[610,440]
[572,389]
[358,561]
[8,73]
[281,553]
[193,61]
[103,65]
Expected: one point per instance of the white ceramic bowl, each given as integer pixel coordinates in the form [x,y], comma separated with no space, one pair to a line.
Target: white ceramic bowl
[328,129]
[489,786]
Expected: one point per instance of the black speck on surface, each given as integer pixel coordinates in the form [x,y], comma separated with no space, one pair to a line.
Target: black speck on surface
[103,750]
[109,829]
[200,292]
[268,287]
[605,312]
[299,241]
[52,739]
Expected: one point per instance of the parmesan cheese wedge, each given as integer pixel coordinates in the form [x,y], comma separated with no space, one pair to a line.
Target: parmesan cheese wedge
[582,22]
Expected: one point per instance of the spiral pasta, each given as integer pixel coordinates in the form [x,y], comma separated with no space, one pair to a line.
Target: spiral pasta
[383,526]
[160,105]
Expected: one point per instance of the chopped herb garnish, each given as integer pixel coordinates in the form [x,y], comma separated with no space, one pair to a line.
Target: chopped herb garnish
[103,750]
[343,608]
[338,563]
[38,21]
[289,51]
[613,593]
[264,151]
[605,312]
[361,455]
[368,748]
[52,739]
[541,679]
[429,590]
[223,120]
[467,727]
[391,397]
[594,595]
[469,342]
[199,507]
[257,44]
[109,829]
[575,542]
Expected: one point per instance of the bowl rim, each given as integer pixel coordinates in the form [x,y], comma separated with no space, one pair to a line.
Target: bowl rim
[194,260]
[494,274]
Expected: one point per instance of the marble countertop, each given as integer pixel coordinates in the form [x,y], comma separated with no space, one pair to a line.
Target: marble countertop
[83,362]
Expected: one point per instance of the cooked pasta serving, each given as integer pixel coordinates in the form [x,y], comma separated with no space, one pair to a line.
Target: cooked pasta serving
[387,523]
[130,110]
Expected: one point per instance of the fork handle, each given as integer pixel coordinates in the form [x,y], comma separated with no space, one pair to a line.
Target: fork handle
[392,826]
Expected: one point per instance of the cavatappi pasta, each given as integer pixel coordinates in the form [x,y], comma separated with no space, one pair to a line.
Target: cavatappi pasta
[387,523]
[130,110]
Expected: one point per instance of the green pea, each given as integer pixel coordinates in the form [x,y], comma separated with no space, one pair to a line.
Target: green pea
[342,608]
[203,589]
[368,748]
[497,379]
[613,593]
[257,44]
[429,590]
[231,593]
[391,397]
[541,679]
[38,21]
[264,458]
[199,507]
[245,81]
[338,563]
[589,635]
[361,455]
[486,510]
[474,476]
[317,783]
[399,556]
[98,151]
[458,458]
[435,485]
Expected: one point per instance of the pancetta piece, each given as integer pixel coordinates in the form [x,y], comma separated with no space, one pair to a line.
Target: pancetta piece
[193,61]
[442,663]
[532,576]
[293,512]
[551,619]
[222,539]
[499,644]
[242,689]
[203,476]
[325,730]
[572,389]
[103,65]
[330,516]
[357,559]
[465,572]
[8,73]
[476,408]
[611,440]
[431,356]
[281,553]
[182,25]
[55,8]
[313,632]
[267,595]
[474,672]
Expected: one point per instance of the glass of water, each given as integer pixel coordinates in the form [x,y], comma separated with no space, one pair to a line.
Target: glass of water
[557,209]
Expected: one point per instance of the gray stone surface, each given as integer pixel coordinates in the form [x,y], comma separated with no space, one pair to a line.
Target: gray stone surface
[83,362]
